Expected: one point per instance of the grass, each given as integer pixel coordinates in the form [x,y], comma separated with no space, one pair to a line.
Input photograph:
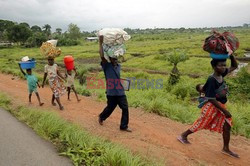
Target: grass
[72,141]
[149,52]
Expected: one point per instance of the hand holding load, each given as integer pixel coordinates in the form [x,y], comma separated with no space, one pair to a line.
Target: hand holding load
[113,42]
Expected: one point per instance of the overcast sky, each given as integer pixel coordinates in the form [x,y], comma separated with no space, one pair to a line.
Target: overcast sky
[96,14]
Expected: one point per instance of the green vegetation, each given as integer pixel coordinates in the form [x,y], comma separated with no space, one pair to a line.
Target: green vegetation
[71,140]
[23,34]
[174,58]
[146,58]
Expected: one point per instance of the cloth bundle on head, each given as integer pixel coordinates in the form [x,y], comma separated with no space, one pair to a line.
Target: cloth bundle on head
[49,49]
[221,45]
[113,42]
[25,59]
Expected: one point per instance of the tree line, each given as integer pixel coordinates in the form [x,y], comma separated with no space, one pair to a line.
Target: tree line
[33,36]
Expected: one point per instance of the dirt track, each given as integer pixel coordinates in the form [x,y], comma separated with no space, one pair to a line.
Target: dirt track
[152,136]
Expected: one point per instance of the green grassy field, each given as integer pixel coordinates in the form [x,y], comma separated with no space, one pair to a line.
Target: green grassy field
[149,52]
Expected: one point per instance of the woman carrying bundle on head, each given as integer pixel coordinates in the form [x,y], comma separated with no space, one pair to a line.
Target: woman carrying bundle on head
[55,81]
[54,76]
[214,114]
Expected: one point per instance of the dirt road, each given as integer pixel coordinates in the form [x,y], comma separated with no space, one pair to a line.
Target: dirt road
[153,136]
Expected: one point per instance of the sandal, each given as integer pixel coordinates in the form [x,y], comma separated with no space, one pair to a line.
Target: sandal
[230,153]
[182,140]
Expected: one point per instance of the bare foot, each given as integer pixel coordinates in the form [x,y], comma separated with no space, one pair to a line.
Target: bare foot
[78,100]
[69,100]
[41,104]
[61,108]
[100,121]
[54,104]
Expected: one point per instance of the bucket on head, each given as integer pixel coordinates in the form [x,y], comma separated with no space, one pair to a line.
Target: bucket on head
[28,64]
[69,62]
[219,56]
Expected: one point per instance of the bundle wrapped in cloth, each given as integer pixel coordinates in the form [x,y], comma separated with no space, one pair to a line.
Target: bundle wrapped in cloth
[113,42]
[49,49]
[220,46]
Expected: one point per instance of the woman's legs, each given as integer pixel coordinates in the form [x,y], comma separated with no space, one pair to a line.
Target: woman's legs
[226,140]
[186,133]
[53,100]
[59,103]
[226,136]
[183,137]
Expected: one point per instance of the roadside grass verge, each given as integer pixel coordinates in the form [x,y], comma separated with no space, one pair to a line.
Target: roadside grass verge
[72,141]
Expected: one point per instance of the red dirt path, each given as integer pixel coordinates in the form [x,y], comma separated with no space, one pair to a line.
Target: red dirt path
[153,136]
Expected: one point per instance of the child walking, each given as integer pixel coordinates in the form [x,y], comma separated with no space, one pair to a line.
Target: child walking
[32,84]
[214,114]
[55,81]
[70,78]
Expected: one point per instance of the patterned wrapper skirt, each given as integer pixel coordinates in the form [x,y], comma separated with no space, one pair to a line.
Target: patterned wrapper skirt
[57,86]
[211,118]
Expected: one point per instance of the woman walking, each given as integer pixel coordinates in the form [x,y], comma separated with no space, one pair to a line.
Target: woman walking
[214,115]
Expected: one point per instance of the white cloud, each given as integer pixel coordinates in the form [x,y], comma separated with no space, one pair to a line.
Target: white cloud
[96,14]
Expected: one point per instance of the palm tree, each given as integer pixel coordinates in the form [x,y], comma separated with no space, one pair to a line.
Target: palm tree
[47,29]
[174,58]
[59,31]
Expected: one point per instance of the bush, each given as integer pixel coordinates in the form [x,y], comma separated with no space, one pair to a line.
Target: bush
[36,40]
[82,75]
[241,83]
[183,90]
[82,90]
[67,42]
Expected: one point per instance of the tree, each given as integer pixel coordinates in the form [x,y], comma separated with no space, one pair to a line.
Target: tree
[36,39]
[4,26]
[245,25]
[36,28]
[25,24]
[174,58]
[47,29]
[86,33]
[74,31]
[19,33]
[182,29]
[59,31]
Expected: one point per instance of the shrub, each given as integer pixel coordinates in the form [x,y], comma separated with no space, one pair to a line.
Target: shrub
[67,42]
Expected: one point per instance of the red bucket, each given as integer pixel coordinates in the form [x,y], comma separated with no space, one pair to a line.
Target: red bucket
[69,62]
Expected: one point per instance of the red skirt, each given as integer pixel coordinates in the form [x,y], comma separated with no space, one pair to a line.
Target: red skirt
[211,118]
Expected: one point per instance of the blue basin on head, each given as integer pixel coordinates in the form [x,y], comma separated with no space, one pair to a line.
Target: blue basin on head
[28,64]
[219,56]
